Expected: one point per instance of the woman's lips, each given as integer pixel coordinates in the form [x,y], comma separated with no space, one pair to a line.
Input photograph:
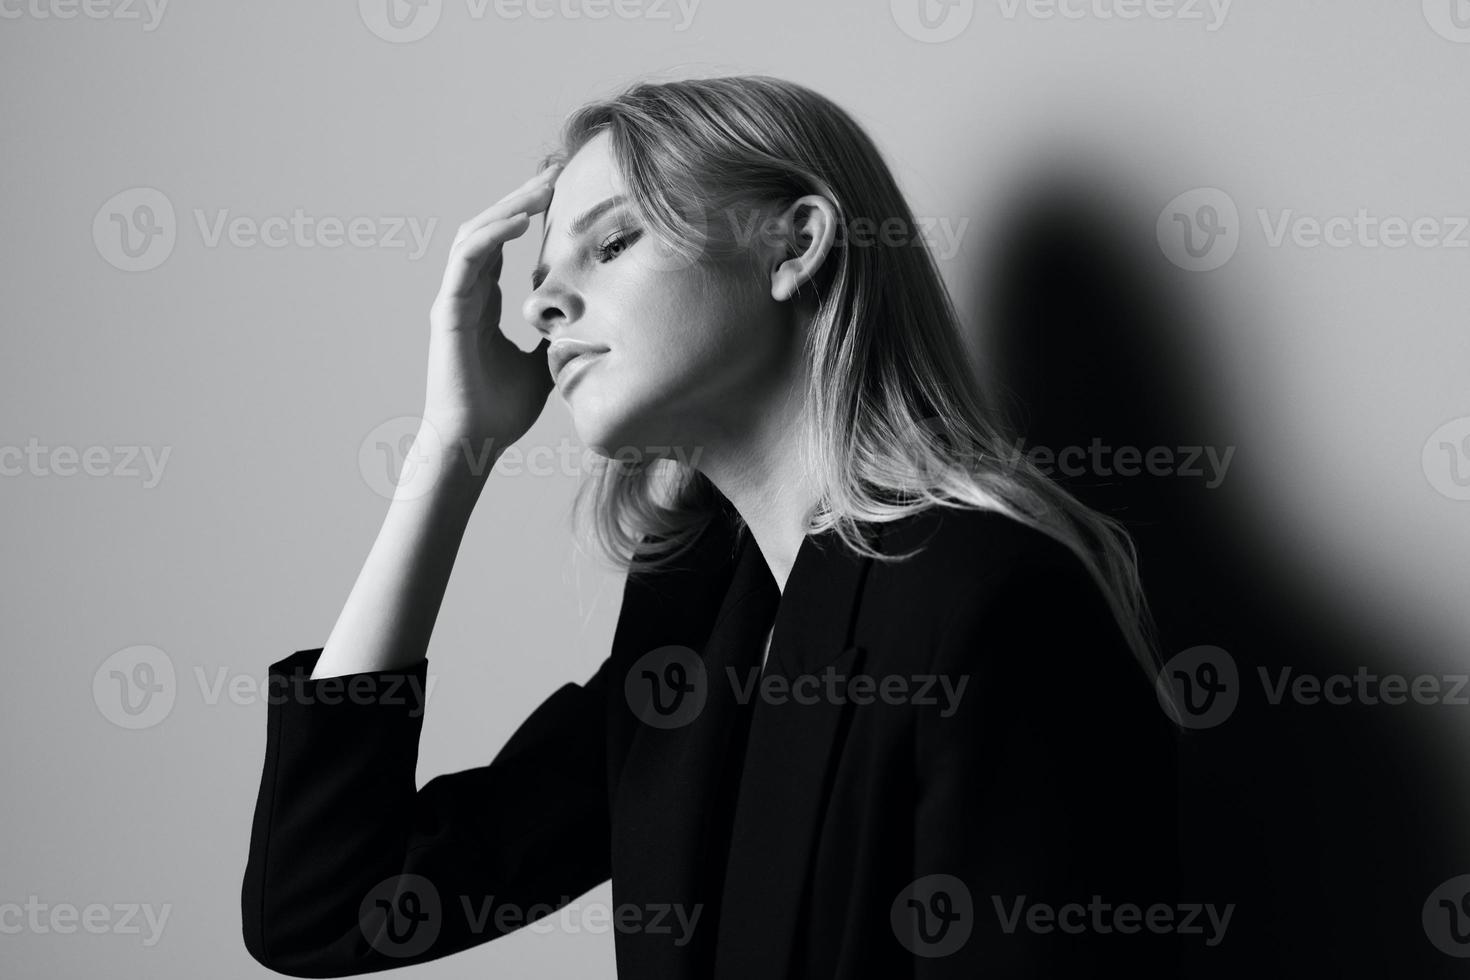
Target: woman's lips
[574,369]
[564,350]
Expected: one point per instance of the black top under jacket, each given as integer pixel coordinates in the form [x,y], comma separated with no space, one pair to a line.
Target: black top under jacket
[878,820]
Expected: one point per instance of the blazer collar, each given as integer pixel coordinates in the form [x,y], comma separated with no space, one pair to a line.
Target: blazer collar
[790,751]
[666,847]
[816,613]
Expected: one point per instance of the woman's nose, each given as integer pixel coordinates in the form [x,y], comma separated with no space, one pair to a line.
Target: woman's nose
[548,305]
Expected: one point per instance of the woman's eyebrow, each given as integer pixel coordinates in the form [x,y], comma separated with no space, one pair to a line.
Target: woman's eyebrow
[579,225]
[585,219]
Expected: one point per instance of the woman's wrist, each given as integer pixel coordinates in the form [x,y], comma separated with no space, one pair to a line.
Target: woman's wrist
[446,460]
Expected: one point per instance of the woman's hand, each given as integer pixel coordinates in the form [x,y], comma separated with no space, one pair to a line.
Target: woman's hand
[482,386]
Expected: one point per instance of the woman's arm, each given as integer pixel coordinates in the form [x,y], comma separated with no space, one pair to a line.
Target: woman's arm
[482,394]
[390,612]
[351,870]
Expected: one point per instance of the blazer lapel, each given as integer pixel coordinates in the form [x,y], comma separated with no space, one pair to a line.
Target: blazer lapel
[675,784]
[790,751]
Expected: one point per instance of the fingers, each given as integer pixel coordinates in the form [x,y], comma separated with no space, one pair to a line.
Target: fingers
[469,254]
[475,257]
[531,197]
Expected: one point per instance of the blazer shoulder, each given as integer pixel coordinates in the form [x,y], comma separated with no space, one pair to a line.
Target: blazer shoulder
[963,551]
[971,569]
[991,593]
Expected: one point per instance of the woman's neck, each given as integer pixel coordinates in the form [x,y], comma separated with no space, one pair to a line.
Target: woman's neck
[765,479]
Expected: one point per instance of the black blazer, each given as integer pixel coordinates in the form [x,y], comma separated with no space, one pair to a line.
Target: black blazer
[889,831]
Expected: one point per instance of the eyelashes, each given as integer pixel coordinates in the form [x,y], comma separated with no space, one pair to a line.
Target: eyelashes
[615,244]
[608,249]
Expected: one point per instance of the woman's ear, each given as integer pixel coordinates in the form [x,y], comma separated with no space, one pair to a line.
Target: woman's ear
[808,228]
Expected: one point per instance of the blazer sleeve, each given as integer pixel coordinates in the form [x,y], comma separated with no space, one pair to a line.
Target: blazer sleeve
[1046,802]
[352,870]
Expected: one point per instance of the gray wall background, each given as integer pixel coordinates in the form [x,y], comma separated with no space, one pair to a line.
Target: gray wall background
[268,373]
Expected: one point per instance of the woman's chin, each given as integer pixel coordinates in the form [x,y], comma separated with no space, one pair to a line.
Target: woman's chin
[616,423]
[605,433]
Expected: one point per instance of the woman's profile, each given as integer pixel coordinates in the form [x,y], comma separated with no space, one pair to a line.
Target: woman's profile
[880,701]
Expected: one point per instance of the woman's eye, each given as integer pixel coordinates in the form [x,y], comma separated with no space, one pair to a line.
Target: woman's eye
[614,245]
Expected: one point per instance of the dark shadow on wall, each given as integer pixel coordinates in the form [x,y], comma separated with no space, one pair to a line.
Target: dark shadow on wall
[1329,826]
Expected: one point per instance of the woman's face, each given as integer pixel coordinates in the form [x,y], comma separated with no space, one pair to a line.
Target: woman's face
[691,347]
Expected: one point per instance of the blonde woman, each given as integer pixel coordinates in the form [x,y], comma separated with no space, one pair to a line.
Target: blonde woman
[879,702]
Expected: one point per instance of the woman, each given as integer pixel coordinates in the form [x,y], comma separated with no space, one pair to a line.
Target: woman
[869,709]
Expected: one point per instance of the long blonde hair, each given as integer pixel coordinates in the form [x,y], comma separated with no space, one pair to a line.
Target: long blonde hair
[895,422]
